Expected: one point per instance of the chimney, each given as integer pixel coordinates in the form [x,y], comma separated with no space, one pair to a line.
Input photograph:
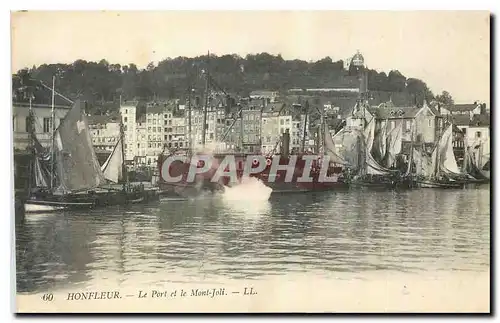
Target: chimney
[285,144]
[483,108]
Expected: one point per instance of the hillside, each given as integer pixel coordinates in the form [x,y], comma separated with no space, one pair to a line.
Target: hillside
[106,82]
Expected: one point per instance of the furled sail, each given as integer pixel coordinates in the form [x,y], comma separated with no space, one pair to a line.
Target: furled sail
[372,166]
[330,149]
[380,142]
[42,158]
[41,177]
[77,165]
[448,163]
[425,165]
[112,167]
[347,145]
[470,166]
[394,144]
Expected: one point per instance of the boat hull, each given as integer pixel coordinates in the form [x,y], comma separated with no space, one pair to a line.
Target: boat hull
[53,203]
[437,184]
[279,185]
[42,206]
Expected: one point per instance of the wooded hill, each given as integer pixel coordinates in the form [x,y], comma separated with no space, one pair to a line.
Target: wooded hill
[105,82]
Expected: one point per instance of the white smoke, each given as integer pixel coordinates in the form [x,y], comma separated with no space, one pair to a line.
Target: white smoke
[250,197]
[248,189]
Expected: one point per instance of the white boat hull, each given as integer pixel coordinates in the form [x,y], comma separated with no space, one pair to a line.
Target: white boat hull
[37,206]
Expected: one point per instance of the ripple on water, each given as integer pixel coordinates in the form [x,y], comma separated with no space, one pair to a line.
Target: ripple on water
[322,234]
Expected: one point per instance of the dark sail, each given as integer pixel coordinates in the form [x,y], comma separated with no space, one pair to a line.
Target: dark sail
[41,160]
[77,166]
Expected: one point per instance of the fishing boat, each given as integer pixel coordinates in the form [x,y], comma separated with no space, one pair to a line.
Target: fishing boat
[439,169]
[357,148]
[68,175]
[476,175]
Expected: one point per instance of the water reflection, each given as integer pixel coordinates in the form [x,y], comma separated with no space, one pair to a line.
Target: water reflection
[354,231]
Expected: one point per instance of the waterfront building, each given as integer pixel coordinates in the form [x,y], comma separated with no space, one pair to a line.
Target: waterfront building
[141,129]
[155,121]
[105,131]
[128,112]
[42,122]
[426,121]
[290,120]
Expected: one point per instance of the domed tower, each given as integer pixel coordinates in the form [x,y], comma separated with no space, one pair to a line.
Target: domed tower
[357,64]
[357,68]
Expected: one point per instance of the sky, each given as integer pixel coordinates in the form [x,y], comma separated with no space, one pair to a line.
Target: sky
[449,50]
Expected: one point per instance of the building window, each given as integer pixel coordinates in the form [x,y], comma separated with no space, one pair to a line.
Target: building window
[282,122]
[125,146]
[478,134]
[27,123]
[126,111]
[47,124]
[169,122]
[138,145]
[166,137]
[125,119]
[430,122]
[125,128]
[408,125]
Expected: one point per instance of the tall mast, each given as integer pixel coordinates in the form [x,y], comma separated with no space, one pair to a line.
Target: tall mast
[207,77]
[190,134]
[124,168]
[304,132]
[241,130]
[52,121]
[410,158]
[322,131]
[31,148]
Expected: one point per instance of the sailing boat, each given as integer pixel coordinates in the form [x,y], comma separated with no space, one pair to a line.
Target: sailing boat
[69,175]
[440,169]
[370,172]
[471,168]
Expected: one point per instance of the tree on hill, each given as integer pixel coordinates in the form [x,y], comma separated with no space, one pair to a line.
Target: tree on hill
[171,78]
[445,99]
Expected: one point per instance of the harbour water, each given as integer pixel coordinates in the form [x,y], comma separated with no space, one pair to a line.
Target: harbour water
[349,234]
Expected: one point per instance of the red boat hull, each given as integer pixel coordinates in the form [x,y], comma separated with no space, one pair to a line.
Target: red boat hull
[278,183]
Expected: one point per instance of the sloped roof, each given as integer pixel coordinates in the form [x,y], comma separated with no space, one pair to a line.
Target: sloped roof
[274,107]
[480,120]
[155,109]
[392,112]
[460,119]
[462,107]
[100,119]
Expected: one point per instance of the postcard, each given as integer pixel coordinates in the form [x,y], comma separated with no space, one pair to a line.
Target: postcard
[251,161]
